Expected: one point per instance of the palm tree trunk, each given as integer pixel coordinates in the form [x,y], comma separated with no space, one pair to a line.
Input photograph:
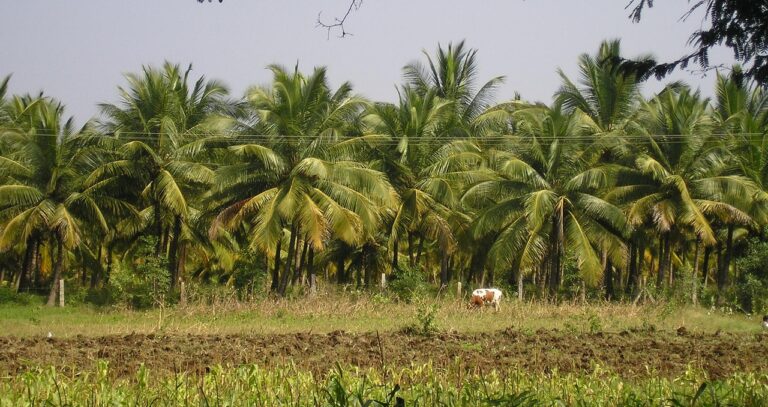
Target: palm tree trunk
[311,271]
[56,273]
[14,273]
[672,269]
[557,246]
[705,266]
[514,271]
[367,271]
[411,259]
[620,274]
[419,250]
[608,276]
[95,277]
[276,270]
[358,276]
[164,237]
[173,259]
[554,273]
[473,265]
[37,261]
[722,275]
[341,277]
[720,260]
[640,262]
[694,280]
[108,270]
[293,241]
[181,263]
[158,224]
[632,275]
[443,268]
[26,269]
[491,276]
[541,279]
[651,271]
[302,261]
[663,253]
[395,252]
[297,258]
[83,274]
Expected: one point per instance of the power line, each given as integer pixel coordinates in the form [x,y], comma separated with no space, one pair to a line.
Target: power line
[508,137]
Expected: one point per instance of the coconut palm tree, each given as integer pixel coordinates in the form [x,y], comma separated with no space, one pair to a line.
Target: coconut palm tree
[452,76]
[427,168]
[605,100]
[297,175]
[44,199]
[544,202]
[685,178]
[741,115]
[608,91]
[741,110]
[158,132]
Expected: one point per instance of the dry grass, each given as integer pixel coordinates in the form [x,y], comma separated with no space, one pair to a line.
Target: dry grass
[359,313]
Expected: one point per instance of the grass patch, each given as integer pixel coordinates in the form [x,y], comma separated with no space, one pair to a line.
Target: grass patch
[359,314]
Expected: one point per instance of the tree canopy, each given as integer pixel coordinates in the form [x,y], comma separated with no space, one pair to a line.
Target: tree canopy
[299,185]
[741,25]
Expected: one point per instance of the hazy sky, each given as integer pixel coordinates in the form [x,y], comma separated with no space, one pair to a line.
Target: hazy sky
[77,51]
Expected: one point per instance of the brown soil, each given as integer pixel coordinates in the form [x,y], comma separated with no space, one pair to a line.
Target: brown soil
[630,354]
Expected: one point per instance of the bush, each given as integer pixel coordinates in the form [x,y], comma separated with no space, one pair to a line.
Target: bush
[408,284]
[751,289]
[250,275]
[426,321]
[9,296]
[143,284]
[752,294]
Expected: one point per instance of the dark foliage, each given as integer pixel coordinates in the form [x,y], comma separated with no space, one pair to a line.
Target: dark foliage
[741,25]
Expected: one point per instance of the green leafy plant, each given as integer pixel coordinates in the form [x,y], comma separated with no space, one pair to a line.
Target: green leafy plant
[426,321]
[408,284]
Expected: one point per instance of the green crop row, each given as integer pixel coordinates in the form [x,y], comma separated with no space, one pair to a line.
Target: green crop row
[423,385]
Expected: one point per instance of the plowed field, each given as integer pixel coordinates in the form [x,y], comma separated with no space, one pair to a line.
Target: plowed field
[629,354]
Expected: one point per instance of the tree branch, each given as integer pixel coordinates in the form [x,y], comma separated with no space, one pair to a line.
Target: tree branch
[338,23]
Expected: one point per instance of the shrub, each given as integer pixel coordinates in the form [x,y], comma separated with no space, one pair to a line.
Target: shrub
[751,288]
[426,321]
[752,294]
[142,284]
[9,296]
[249,274]
[408,284]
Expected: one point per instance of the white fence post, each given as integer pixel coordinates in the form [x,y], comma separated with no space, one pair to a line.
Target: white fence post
[61,292]
[182,294]
[458,289]
[383,281]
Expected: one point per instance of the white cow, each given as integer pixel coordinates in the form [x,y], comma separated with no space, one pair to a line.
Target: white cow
[485,296]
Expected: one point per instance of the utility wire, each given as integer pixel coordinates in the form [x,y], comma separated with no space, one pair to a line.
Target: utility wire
[136,135]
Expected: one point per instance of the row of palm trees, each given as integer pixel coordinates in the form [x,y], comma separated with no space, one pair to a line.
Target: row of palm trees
[602,186]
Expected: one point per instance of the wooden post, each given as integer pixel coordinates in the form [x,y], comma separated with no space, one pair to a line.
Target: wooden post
[182,294]
[61,292]
[383,281]
[458,289]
